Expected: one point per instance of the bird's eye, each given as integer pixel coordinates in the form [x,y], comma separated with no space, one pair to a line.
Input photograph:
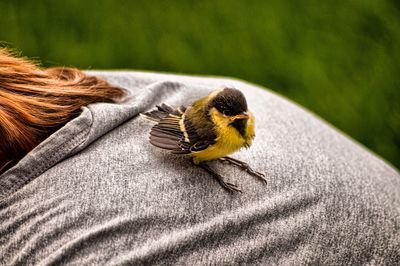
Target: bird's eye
[223,109]
[227,112]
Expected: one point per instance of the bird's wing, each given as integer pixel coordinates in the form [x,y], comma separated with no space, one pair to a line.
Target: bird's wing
[162,112]
[174,131]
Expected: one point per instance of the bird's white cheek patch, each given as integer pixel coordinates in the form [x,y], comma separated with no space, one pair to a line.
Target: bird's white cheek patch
[219,119]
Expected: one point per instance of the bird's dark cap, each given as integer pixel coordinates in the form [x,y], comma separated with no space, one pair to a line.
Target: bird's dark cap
[230,102]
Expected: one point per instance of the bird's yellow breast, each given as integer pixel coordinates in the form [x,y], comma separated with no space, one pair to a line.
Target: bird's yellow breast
[228,139]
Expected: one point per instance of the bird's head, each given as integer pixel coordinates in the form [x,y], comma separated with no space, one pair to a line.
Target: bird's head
[228,107]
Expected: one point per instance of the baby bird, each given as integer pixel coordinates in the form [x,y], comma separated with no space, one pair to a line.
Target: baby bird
[209,129]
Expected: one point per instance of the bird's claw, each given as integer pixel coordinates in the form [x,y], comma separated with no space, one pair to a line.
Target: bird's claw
[226,185]
[245,167]
[231,187]
[257,174]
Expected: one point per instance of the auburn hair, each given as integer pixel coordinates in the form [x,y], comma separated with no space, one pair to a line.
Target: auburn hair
[36,102]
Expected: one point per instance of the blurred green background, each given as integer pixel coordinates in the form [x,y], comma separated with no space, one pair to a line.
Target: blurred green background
[340,59]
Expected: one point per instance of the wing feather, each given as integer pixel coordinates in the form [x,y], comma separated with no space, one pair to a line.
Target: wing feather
[174,131]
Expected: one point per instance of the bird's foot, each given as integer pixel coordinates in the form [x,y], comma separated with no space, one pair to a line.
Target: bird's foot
[226,185]
[245,167]
[229,186]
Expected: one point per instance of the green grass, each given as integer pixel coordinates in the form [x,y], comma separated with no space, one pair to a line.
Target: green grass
[339,59]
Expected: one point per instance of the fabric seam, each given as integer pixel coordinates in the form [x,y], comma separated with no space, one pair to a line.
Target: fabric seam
[48,160]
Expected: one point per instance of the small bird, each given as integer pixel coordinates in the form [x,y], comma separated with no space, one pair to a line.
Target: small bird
[209,129]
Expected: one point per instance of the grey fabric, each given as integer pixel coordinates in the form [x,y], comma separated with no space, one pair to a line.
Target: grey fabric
[96,192]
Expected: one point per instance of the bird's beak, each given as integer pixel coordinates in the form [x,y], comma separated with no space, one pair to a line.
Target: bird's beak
[243,115]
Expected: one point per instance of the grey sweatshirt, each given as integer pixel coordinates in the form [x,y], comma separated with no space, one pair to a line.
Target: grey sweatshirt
[96,192]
